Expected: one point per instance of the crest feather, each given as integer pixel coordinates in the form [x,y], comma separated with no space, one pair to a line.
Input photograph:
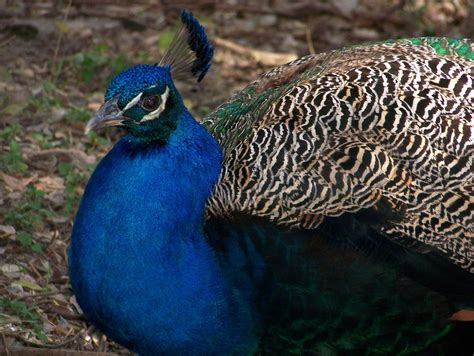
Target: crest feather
[190,52]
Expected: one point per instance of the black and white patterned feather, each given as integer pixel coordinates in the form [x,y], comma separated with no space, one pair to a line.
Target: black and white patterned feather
[385,128]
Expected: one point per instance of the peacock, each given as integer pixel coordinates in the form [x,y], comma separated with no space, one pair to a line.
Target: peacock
[327,208]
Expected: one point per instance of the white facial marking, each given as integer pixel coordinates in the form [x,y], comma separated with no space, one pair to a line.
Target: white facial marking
[157,112]
[133,102]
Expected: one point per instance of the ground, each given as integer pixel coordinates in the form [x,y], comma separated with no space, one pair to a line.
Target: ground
[56,58]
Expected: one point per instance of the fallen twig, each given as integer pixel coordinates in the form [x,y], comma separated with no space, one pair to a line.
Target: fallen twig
[58,43]
[77,157]
[309,41]
[7,41]
[4,340]
[270,59]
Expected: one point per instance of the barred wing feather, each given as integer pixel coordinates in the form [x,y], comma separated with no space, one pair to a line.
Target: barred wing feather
[386,127]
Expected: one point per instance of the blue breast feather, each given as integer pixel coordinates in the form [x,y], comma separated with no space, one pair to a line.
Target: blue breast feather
[139,262]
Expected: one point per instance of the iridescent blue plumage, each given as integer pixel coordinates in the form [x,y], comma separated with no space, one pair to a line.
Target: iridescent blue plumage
[150,271]
[130,82]
[134,263]
[131,254]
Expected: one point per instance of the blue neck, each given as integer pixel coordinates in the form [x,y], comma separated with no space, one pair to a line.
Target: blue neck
[138,248]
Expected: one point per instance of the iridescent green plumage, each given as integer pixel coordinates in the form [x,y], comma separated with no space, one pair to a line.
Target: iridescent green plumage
[447,46]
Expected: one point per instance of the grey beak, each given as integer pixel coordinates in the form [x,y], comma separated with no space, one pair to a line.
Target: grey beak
[109,114]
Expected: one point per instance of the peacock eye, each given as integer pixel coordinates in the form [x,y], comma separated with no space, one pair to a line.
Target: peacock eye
[151,102]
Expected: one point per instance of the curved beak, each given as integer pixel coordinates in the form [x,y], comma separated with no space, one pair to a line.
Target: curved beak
[109,114]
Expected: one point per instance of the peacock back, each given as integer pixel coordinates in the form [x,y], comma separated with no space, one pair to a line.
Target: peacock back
[384,131]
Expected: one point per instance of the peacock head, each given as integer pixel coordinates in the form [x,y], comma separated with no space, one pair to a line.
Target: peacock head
[143,99]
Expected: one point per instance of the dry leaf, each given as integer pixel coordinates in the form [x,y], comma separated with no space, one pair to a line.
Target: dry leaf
[74,302]
[50,184]
[11,270]
[60,298]
[7,230]
[57,219]
[62,26]
[94,106]
[48,327]
[14,184]
[57,198]
[77,157]
[25,283]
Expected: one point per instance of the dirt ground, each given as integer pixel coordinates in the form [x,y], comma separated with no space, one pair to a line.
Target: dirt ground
[56,58]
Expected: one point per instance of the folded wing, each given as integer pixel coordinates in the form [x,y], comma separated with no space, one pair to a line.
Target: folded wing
[384,129]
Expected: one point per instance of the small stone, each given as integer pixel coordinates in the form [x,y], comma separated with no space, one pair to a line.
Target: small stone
[48,327]
[346,6]
[268,20]
[365,34]
[16,289]
[58,113]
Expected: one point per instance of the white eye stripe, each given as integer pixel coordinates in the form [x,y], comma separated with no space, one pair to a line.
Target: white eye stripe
[132,102]
[157,112]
